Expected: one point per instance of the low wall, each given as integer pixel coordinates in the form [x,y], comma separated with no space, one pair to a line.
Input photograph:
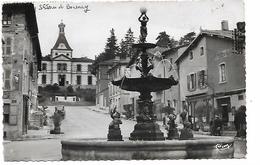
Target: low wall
[100,149]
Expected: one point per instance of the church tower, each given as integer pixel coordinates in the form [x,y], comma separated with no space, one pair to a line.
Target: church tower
[61,64]
[61,47]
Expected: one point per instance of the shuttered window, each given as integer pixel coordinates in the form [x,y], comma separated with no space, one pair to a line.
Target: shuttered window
[7,79]
[202,79]
[7,46]
[191,82]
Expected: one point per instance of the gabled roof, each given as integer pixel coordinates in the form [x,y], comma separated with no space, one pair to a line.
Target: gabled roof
[119,63]
[169,51]
[227,34]
[29,10]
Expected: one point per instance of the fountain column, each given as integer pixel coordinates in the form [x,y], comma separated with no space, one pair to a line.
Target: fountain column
[146,127]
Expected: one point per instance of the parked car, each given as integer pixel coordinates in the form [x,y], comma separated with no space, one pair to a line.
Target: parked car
[60,109]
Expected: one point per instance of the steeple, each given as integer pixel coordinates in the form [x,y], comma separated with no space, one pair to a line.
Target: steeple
[61,43]
[61,26]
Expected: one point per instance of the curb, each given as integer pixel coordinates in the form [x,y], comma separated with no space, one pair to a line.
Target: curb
[36,138]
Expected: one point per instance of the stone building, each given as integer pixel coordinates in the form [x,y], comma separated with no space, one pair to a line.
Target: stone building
[102,92]
[59,67]
[212,77]
[21,60]
[117,96]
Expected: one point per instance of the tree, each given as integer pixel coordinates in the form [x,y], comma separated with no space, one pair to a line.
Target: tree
[70,89]
[111,49]
[173,43]
[55,87]
[163,40]
[126,44]
[187,39]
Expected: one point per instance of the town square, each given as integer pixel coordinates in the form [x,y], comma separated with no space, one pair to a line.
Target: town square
[124,80]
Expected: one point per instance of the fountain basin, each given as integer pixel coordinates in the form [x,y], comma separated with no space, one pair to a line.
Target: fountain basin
[149,83]
[101,149]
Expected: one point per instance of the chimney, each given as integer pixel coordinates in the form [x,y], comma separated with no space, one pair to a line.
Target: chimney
[224,25]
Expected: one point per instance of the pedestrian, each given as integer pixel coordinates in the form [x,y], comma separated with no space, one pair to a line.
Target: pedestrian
[217,126]
[237,123]
[211,126]
[243,121]
[240,121]
[164,120]
[190,120]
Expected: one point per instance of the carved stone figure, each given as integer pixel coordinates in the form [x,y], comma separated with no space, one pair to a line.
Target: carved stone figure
[143,29]
[186,132]
[173,131]
[114,132]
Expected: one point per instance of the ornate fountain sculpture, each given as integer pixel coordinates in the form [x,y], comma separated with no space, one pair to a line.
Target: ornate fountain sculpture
[114,132]
[146,127]
[114,148]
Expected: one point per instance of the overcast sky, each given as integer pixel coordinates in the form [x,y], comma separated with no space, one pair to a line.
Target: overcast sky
[87,32]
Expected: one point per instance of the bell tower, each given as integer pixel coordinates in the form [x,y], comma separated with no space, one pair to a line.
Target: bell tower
[61,46]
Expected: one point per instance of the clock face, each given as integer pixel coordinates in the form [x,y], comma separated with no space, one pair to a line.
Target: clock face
[61,46]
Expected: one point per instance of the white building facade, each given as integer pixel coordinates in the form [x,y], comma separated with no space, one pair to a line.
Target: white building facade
[59,67]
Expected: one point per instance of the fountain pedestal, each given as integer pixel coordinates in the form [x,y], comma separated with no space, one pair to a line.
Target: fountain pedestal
[146,128]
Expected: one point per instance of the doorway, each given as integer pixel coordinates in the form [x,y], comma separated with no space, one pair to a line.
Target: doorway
[224,108]
[25,115]
[62,79]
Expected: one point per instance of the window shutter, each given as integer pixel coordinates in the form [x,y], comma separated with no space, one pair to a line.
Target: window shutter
[199,79]
[205,78]
[188,82]
[31,69]
[195,80]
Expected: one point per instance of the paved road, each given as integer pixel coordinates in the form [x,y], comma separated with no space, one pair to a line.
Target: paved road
[80,122]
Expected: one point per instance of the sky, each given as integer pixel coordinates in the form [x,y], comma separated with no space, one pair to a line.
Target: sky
[87,32]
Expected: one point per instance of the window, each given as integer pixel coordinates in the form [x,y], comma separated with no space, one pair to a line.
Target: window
[7,79]
[89,80]
[222,73]
[7,46]
[191,82]
[44,66]
[202,79]
[78,68]
[240,97]
[62,66]
[7,19]
[191,55]
[78,80]
[58,66]
[67,54]
[43,79]
[201,51]
[6,113]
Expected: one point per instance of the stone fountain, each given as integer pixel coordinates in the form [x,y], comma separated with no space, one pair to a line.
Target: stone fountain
[146,141]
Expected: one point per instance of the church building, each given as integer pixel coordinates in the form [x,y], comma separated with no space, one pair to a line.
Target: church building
[59,67]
